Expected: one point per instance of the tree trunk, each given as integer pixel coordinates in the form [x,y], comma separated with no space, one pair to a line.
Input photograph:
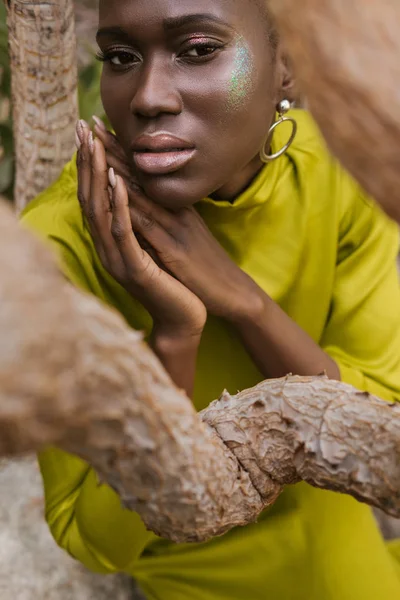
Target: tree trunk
[42,49]
[73,374]
[346,56]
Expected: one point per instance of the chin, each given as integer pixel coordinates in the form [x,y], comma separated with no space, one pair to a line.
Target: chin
[172,191]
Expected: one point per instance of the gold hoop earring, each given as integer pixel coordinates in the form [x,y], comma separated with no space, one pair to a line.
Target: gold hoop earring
[282,108]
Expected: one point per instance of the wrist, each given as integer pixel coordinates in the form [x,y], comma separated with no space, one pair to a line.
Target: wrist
[178,353]
[250,307]
[170,340]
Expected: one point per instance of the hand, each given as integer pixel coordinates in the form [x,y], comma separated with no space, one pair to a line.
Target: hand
[185,247]
[176,311]
[116,158]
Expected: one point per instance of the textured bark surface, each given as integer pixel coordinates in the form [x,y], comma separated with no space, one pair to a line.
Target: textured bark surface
[346,56]
[72,373]
[44,91]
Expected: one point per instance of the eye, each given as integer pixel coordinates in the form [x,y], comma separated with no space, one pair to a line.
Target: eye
[201,50]
[118,59]
[121,58]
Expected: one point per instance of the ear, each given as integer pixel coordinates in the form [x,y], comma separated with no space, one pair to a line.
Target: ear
[286,81]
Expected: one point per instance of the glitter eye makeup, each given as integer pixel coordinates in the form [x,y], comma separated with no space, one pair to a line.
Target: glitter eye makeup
[241,81]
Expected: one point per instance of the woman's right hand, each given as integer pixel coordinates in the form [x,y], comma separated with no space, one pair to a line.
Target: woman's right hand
[177,313]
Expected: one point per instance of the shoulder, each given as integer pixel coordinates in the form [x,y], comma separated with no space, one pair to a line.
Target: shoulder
[320,174]
[308,140]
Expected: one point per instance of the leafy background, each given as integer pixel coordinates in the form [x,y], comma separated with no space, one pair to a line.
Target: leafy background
[89,84]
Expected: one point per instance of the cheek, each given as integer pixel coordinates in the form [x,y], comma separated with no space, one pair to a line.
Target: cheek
[237,108]
[231,87]
[116,99]
[242,81]
[236,98]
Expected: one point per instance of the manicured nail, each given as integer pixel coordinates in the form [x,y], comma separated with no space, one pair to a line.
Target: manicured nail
[91,142]
[79,131]
[77,141]
[99,123]
[111,177]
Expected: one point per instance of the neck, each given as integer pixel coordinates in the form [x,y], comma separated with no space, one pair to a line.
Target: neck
[239,182]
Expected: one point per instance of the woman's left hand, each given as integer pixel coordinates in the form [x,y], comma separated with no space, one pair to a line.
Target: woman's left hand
[186,248]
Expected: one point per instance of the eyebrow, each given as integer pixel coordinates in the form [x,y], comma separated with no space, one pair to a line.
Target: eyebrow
[168,24]
[184,21]
[112,32]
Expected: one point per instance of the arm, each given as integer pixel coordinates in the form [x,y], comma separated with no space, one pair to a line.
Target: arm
[186,248]
[361,344]
[178,354]
[276,343]
[178,315]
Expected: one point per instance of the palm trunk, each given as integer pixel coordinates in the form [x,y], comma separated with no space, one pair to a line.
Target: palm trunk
[44,91]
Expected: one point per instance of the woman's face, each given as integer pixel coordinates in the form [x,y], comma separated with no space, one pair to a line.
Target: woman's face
[190,88]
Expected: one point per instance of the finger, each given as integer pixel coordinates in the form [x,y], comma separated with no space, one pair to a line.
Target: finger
[83,164]
[154,212]
[111,144]
[152,231]
[85,190]
[100,211]
[121,167]
[121,227]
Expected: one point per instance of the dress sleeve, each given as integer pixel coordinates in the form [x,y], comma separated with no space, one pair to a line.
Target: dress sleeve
[85,518]
[363,330]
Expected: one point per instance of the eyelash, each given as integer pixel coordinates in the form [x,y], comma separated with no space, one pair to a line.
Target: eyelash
[213,46]
[107,56]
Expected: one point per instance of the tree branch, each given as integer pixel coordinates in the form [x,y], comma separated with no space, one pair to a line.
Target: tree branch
[73,374]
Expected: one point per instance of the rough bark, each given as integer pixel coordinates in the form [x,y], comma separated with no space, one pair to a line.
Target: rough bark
[73,374]
[42,49]
[346,56]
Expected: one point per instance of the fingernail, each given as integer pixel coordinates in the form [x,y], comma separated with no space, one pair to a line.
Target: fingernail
[111,177]
[77,141]
[83,124]
[79,131]
[99,123]
[91,143]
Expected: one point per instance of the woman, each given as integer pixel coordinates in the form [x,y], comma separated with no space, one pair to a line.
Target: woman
[280,267]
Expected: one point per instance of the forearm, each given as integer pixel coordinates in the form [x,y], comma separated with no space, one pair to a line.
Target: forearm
[278,345]
[178,355]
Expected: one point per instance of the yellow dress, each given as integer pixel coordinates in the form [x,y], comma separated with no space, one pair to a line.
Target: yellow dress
[307,235]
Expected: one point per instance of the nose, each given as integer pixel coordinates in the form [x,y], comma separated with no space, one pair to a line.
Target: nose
[156,93]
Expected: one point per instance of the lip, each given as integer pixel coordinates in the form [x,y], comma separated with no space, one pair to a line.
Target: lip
[161,153]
